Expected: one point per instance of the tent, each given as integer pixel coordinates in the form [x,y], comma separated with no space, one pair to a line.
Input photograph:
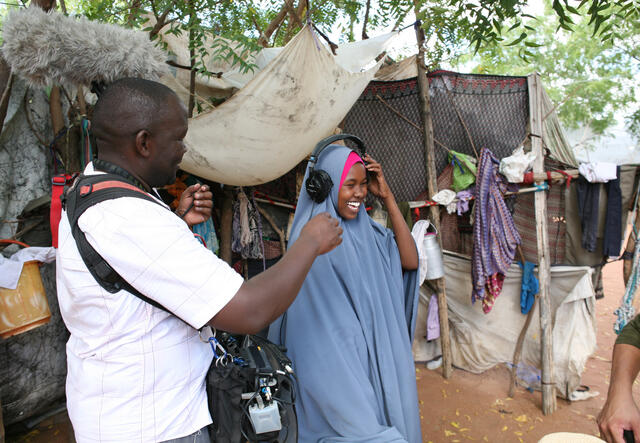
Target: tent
[294,97]
[480,342]
[469,112]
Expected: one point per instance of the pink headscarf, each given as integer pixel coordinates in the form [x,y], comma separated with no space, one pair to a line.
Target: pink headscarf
[352,159]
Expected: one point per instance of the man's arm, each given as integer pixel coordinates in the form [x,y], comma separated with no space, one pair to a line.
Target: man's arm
[263,298]
[620,411]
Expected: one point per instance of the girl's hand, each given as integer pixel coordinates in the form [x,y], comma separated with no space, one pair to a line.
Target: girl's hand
[377,184]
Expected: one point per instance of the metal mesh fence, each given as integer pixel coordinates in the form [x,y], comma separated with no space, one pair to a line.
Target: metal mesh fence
[467,111]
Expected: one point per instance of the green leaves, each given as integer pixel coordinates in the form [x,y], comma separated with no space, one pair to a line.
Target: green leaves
[583,41]
[591,79]
[517,40]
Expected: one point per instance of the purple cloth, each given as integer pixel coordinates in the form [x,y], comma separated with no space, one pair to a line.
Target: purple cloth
[495,236]
[433,321]
[463,201]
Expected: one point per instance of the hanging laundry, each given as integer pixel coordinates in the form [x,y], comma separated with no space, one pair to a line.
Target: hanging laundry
[463,201]
[247,229]
[464,170]
[600,172]
[446,198]
[433,321]
[494,233]
[449,234]
[612,241]
[207,231]
[418,232]
[494,288]
[588,195]
[514,167]
[529,287]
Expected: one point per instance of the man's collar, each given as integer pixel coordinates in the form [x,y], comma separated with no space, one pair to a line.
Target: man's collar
[112,168]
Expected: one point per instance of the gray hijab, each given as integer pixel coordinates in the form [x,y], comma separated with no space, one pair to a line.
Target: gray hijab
[349,331]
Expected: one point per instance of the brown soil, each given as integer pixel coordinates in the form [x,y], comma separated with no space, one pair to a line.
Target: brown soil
[476,407]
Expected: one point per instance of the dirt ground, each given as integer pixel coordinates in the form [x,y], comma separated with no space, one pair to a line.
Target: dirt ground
[477,408]
[470,407]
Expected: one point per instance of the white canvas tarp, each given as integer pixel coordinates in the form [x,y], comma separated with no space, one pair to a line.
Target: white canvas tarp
[480,341]
[401,70]
[352,56]
[297,96]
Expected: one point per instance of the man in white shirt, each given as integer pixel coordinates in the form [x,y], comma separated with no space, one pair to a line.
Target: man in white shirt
[136,372]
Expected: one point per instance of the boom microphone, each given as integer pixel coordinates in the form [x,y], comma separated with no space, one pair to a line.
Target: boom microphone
[49,48]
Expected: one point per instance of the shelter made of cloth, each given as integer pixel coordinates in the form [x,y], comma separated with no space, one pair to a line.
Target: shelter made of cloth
[294,97]
[480,342]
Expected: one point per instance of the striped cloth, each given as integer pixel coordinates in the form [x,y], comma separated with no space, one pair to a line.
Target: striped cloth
[524,217]
[495,236]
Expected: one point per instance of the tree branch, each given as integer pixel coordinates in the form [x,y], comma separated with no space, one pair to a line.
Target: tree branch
[293,13]
[366,19]
[161,21]
[135,6]
[273,26]
[401,18]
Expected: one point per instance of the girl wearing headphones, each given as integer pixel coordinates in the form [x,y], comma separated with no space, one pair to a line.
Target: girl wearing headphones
[349,331]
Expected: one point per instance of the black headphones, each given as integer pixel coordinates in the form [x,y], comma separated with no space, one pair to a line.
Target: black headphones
[319,183]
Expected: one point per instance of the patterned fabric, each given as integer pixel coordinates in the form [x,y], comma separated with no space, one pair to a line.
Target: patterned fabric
[448,222]
[626,311]
[494,233]
[463,201]
[494,288]
[247,229]
[524,217]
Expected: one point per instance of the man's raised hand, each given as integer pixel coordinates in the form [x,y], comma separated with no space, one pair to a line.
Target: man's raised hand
[195,204]
[324,231]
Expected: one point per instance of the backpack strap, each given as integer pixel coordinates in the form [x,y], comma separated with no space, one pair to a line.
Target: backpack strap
[58,185]
[90,190]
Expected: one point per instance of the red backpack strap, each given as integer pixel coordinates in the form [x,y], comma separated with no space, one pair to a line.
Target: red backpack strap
[58,183]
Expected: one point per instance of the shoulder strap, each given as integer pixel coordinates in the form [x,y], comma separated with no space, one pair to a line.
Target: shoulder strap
[58,184]
[85,192]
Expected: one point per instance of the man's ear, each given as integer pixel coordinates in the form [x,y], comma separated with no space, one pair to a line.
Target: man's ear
[143,143]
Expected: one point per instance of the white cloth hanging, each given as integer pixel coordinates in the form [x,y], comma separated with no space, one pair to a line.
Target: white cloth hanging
[418,231]
[598,172]
[11,268]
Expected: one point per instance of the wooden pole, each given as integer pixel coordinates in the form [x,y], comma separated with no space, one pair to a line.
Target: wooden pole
[546,326]
[192,60]
[432,189]
[226,226]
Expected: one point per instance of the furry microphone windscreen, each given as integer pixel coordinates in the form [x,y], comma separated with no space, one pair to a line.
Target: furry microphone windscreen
[49,48]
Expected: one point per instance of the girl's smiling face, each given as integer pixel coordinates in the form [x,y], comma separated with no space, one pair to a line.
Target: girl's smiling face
[352,192]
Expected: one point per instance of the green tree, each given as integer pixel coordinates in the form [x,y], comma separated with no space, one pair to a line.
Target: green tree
[591,79]
[591,44]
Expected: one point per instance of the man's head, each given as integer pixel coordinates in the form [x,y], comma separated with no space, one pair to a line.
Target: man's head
[140,125]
